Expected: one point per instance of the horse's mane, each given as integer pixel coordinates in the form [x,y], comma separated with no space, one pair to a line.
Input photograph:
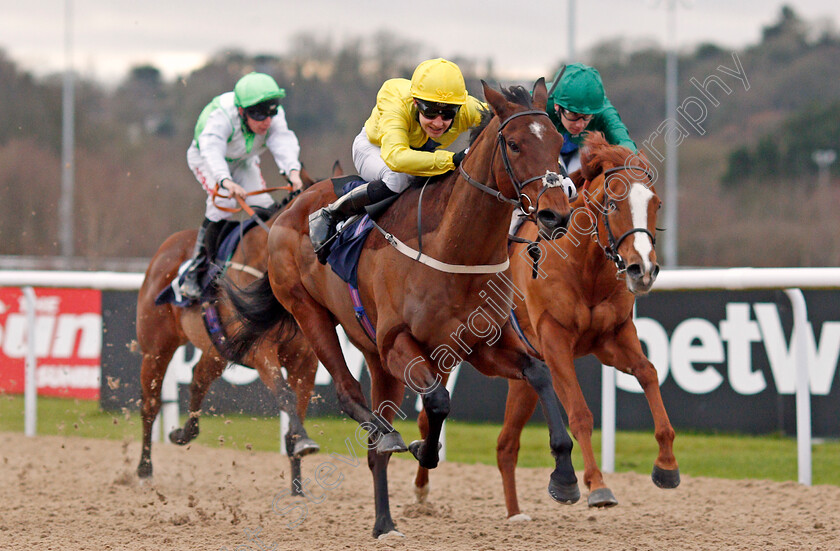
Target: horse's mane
[597,154]
[515,94]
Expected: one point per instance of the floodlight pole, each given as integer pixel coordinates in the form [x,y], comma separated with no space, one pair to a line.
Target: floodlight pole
[67,135]
[570,34]
[671,236]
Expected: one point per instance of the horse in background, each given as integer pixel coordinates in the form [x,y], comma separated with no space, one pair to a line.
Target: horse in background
[162,328]
[431,308]
[582,301]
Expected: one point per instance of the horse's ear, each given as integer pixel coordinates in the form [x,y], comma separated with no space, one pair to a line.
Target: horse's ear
[540,94]
[496,100]
[305,177]
[589,166]
[337,169]
[577,178]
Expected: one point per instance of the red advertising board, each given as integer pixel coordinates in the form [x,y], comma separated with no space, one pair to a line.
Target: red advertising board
[68,341]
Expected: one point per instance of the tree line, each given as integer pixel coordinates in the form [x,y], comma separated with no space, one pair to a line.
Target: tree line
[133,187]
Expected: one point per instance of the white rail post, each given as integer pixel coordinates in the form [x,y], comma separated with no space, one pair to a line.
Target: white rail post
[803,384]
[30,388]
[170,413]
[607,418]
[284,430]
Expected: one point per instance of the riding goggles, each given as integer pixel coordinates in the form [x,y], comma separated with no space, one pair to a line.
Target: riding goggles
[262,111]
[432,110]
[574,117]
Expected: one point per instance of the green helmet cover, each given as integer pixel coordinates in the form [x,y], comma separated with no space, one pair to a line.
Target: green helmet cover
[256,88]
[580,90]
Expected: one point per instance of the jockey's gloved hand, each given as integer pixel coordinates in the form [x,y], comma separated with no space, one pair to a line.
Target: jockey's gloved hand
[458,157]
[569,188]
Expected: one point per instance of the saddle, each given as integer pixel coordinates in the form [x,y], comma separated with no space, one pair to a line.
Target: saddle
[229,238]
[346,248]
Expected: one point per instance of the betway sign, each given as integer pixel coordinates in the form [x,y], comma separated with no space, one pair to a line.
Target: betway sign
[701,356]
[725,362]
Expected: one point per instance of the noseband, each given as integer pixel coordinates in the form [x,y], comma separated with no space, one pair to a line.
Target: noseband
[611,250]
[550,179]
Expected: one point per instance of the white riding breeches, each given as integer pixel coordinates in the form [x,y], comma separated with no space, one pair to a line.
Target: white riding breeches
[368,161]
[246,173]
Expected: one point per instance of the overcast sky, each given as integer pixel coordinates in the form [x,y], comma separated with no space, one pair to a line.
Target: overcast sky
[524,39]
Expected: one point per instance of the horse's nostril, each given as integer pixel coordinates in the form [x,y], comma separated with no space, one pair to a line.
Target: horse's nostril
[634,271]
[655,271]
[551,219]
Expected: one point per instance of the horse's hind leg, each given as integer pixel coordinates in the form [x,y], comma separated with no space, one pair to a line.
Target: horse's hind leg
[293,398]
[421,480]
[625,353]
[208,369]
[152,371]
[520,406]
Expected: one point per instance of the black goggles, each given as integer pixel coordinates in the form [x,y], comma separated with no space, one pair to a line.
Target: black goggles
[262,111]
[432,110]
[574,117]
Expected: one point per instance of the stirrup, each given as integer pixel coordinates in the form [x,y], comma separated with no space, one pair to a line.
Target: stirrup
[191,288]
[322,232]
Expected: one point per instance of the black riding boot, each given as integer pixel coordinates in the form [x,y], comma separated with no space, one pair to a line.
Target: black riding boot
[205,245]
[322,223]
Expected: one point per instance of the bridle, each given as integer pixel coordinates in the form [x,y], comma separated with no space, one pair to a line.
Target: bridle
[549,179]
[611,248]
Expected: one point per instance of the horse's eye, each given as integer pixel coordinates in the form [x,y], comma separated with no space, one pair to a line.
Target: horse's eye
[512,146]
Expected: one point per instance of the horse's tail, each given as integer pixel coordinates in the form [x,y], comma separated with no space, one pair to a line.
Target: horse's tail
[257,315]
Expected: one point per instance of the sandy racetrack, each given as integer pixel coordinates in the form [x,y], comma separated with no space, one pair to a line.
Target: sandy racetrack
[75,494]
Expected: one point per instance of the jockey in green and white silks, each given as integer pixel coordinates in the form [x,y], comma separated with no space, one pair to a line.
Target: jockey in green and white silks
[232,132]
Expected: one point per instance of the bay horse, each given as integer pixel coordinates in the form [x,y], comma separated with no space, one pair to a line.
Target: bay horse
[581,302]
[429,311]
[161,329]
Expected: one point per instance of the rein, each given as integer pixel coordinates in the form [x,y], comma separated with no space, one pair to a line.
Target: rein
[243,206]
[611,249]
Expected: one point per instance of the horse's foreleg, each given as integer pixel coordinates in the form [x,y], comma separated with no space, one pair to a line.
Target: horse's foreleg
[557,350]
[152,371]
[626,355]
[407,361]
[563,486]
[520,405]
[319,328]
[208,369]
[386,394]
[508,358]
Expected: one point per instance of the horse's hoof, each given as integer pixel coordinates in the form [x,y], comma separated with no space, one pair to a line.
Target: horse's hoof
[602,497]
[665,478]
[144,470]
[305,446]
[563,493]
[418,447]
[421,492]
[180,437]
[391,443]
[392,533]
[521,517]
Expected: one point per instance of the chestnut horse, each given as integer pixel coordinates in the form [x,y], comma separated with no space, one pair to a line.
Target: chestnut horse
[161,329]
[429,310]
[581,302]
